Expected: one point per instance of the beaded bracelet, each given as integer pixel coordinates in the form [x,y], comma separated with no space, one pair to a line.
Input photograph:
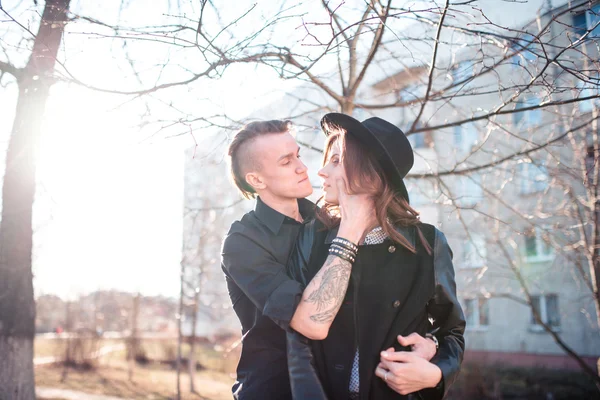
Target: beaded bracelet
[341,253]
[344,246]
[343,257]
[343,250]
[345,243]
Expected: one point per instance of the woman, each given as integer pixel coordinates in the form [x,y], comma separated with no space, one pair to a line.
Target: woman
[402,278]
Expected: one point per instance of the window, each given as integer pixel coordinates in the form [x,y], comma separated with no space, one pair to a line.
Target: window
[529,118]
[411,92]
[587,20]
[587,89]
[477,312]
[417,140]
[535,248]
[463,70]
[465,136]
[420,140]
[547,308]
[420,194]
[533,178]
[469,190]
[524,48]
[474,251]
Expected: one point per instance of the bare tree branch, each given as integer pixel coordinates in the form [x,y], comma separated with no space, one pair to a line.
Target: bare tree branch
[432,67]
[11,69]
[507,158]
[373,50]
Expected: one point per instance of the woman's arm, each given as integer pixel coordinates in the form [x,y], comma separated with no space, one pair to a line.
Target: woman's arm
[322,298]
[325,293]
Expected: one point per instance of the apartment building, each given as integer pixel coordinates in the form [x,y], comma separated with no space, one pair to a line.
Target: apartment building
[509,188]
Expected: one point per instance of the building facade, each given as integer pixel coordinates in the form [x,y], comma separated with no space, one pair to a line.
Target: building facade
[508,182]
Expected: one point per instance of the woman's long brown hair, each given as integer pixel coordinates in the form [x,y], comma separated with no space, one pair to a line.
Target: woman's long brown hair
[365,175]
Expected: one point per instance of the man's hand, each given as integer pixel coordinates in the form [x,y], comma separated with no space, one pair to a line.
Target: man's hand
[407,373]
[420,346]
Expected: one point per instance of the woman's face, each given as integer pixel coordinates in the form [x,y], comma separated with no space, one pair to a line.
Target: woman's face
[331,171]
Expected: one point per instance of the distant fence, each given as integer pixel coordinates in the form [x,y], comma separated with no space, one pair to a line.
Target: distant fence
[551,361]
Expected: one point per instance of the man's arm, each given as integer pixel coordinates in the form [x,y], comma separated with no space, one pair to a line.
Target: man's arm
[406,373]
[260,277]
[448,319]
[420,346]
[266,283]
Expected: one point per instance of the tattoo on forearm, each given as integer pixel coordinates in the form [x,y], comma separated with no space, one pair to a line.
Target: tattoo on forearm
[328,296]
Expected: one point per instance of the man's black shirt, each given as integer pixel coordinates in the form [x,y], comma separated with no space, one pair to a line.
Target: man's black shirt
[254,255]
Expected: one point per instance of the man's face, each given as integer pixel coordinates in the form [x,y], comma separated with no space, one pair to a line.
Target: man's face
[282,174]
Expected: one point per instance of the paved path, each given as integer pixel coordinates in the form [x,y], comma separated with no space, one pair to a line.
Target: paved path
[65,394]
[108,335]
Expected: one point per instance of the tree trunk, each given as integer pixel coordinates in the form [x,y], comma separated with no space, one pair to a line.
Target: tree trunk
[192,356]
[595,267]
[17,308]
[16,362]
[347,107]
[68,332]
[179,333]
[134,340]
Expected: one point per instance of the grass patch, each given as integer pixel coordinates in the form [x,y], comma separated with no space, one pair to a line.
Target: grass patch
[44,347]
[205,353]
[46,398]
[153,380]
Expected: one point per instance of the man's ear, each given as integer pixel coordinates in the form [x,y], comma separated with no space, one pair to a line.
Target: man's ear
[255,181]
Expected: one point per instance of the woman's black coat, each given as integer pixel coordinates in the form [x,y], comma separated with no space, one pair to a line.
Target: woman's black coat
[391,292]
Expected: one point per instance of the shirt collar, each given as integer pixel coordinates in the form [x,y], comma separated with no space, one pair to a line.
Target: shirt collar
[274,219]
[405,231]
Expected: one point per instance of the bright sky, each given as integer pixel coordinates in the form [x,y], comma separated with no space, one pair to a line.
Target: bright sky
[109,209]
[111,200]
[108,213]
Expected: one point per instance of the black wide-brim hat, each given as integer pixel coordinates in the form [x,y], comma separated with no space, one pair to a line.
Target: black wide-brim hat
[387,142]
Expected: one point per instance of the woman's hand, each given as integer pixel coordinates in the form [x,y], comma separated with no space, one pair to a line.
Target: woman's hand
[357,213]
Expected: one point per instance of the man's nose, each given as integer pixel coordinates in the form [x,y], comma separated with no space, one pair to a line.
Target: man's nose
[302,168]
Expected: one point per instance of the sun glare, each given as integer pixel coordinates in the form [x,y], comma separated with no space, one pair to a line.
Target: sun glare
[107,209]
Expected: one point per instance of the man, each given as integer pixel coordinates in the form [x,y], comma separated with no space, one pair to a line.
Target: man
[265,162]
